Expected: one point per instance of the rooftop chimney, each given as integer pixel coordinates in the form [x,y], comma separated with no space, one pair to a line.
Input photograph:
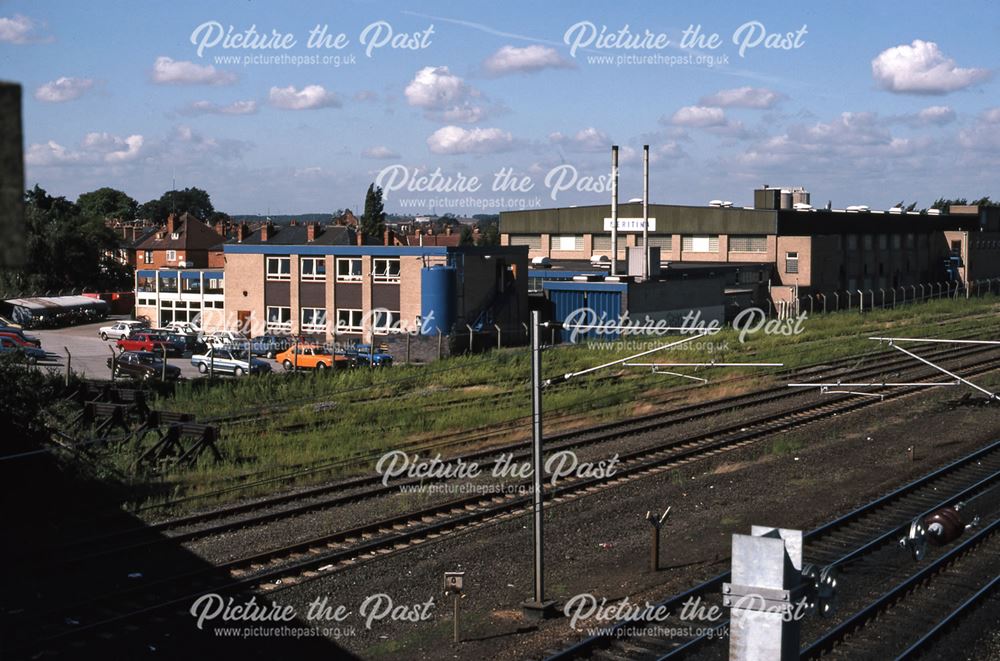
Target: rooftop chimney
[170,224]
[241,232]
[220,228]
[360,238]
[447,230]
[266,230]
[389,237]
[311,229]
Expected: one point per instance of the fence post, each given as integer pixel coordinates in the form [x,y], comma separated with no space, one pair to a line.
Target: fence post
[163,374]
[921,292]
[526,331]
[408,336]
[836,300]
[439,343]
[69,364]
[470,337]
[499,335]
[883,298]
[893,298]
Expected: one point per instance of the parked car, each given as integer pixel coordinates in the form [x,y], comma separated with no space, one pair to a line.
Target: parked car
[121,329]
[308,356]
[30,339]
[149,342]
[18,340]
[30,353]
[223,338]
[229,361]
[270,345]
[143,365]
[183,328]
[180,341]
[361,354]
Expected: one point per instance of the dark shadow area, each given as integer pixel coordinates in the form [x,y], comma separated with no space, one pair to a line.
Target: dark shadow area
[57,603]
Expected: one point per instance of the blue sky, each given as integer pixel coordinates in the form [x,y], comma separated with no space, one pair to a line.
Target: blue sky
[870,104]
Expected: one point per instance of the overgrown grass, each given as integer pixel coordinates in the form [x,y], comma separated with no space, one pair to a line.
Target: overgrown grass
[366,412]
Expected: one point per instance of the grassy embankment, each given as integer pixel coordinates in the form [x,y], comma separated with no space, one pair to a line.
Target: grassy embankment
[366,412]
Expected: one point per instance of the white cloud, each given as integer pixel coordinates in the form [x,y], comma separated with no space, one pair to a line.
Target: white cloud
[588,139]
[96,148]
[742,97]
[180,72]
[308,98]
[18,29]
[921,68]
[529,59]
[936,115]
[366,95]
[435,88]
[379,151]
[457,140]
[991,116]
[63,89]
[208,108]
[699,117]
[186,142]
[466,113]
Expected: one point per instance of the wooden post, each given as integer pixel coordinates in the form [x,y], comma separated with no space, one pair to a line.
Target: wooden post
[69,364]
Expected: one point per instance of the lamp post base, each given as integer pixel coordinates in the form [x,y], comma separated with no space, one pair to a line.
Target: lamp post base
[540,610]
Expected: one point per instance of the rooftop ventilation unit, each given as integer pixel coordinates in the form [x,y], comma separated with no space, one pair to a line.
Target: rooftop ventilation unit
[635,199]
[715,203]
[933,212]
[896,210]
[802,206]
[858,208]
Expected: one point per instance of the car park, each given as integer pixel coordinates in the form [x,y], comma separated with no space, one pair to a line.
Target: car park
[149,342]
[144,365]
[30,353]
[235,361]
[310,356]
[183,328]
[121,329]
[179,341]
[14,330]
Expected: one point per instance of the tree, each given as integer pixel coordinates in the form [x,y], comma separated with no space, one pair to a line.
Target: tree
[944,203]
[194,201]
[65,249]
[107,203]
[489,236]
[465,238]
[373,220]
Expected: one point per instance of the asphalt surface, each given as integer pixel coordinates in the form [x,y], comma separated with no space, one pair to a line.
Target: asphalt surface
[89,352]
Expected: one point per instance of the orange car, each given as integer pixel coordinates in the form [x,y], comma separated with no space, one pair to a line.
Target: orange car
[309,357]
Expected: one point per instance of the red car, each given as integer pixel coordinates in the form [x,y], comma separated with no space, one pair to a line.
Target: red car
[145,342]
[18,340]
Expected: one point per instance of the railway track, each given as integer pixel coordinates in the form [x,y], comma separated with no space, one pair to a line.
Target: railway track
[863,541]
[363,488]
[323,555]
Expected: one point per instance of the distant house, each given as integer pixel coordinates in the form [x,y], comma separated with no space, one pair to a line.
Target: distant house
[183,242]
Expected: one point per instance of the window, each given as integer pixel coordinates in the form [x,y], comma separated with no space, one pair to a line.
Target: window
[897,241]
[700,243]
[147,257]
[791,262]
[171,255]
[385,269]
[567,242]
[533,241]
[279,268]
[348,321]
[867,238]
[348,269]
[748,244]
[661,242]
[603,242]
[384,321]
[313,320]
[956,247]
[852,241]
[279,319]
[883,241]
[214,283]
[313,269]
[909,241]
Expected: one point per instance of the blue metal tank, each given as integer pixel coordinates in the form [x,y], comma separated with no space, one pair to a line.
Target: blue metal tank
[438,296]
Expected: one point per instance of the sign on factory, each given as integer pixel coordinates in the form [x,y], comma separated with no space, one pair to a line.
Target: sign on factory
[630,224]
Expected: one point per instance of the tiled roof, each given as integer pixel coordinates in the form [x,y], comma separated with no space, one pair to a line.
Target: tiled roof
[297,235]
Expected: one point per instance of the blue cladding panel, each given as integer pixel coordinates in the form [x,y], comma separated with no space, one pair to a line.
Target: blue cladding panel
[603,303]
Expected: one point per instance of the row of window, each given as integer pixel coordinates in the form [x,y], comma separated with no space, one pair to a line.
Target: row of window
[348,269]
[602,242]
[145,301]
[313,320]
